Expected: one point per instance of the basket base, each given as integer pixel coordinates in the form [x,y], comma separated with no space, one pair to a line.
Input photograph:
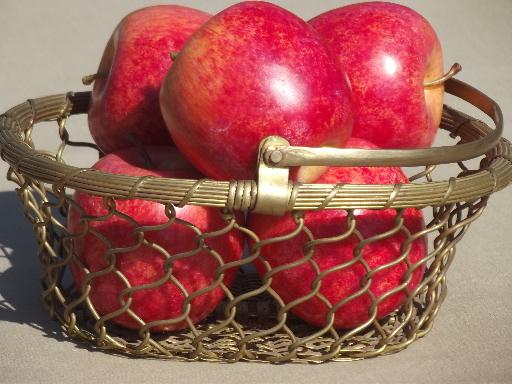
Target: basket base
[251,335]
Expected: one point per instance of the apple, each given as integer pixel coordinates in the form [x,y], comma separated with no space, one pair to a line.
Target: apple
[296,282]
[251,71]
[388,51]
[146,265]
[124,105]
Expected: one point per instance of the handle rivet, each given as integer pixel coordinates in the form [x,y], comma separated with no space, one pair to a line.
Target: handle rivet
[276,156]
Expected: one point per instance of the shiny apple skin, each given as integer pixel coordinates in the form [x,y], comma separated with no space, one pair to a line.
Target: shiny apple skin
[145,265]
[297,282]
[124,102]
[251,71]
[388,52]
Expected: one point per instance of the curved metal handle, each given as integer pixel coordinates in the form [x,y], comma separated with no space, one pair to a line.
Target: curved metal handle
[290,156]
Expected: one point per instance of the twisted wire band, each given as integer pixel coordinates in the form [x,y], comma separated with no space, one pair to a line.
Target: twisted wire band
[242,194]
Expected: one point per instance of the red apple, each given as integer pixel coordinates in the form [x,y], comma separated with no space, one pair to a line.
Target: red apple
[124,104]
[146,265]
[388,52]
[296,282]
[251,71]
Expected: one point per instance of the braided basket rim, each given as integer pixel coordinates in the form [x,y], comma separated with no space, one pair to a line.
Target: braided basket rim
[477,136]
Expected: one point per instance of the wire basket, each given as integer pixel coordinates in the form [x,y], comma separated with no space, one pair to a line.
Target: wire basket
[252,317]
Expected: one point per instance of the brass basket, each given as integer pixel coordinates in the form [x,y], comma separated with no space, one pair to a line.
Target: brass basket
[253,323]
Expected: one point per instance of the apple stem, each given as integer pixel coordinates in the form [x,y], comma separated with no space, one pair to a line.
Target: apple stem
[148,163]
[89,79]
[174,55]
[456,68]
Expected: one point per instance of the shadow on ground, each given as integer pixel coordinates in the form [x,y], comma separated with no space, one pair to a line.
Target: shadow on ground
[20,288]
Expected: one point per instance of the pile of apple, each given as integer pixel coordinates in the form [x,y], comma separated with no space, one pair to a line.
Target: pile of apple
[183,94]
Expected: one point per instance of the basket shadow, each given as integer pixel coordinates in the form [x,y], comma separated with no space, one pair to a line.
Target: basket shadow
[20,288]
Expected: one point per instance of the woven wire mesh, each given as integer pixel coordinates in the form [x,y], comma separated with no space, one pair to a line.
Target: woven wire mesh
[253,306]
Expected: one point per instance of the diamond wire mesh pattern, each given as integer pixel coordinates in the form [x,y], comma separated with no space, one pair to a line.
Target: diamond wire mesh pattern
[243,307]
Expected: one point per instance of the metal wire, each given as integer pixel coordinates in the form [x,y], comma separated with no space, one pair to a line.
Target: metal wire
[250,316]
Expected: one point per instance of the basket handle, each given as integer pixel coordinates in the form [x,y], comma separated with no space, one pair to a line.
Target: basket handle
[290,156]
[279,195]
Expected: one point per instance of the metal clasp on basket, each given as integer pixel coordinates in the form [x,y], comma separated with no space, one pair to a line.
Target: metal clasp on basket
[273,187]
